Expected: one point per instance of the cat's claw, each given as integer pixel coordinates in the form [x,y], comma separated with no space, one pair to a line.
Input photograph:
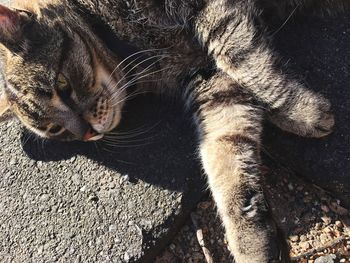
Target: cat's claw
[325,126]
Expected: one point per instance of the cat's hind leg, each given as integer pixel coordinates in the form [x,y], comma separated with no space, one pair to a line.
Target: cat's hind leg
[229,127]
[233,33]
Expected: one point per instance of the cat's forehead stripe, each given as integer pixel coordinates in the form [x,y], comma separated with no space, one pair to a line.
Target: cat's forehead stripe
[31,110]
[18,91]
[12,90]
[44,93]
[65,48]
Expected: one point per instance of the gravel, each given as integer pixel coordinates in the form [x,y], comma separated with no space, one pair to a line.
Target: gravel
[297,210]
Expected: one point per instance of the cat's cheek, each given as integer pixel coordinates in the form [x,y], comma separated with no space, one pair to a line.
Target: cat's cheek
[104,123]
[99,125]
[117,116]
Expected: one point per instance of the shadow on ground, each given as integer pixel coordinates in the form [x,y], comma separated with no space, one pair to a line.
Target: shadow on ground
[156,136]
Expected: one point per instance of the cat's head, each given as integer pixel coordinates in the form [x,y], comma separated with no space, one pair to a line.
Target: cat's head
[57,78]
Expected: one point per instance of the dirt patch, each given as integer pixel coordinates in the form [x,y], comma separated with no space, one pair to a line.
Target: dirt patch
[315,224]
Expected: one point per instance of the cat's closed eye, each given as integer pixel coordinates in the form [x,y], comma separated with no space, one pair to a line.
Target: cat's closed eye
[52,129]
[64,89]
[55,129]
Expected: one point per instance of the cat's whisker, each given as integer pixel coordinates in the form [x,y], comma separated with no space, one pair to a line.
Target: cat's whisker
[134,60]
[119,136]
[287,19]
[98,150]
[114,144]
[125,60]
[102,146]
[40,146]
[126,135]
[134,81]
[141,128]
[28,137]
[134,76]
[138,64]
[130,96]
[124,141]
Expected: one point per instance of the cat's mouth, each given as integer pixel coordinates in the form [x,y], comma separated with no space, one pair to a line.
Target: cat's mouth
[92,135]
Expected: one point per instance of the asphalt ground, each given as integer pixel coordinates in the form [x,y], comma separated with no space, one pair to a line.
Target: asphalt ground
[80,202]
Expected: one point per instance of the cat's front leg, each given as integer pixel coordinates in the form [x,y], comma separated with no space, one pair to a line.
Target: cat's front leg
[230,128]
[233,33]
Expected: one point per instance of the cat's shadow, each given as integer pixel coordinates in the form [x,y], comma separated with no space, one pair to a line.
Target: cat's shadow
[156,143]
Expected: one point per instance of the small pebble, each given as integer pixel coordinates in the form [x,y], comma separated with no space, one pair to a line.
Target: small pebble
[318,226]
[126,256]
[326,259]
[324,208]
[328,230]
[303,238]
[294,238]
[204,205]
[305,245]
[338,209]
[327,220]
[339,224]
[93,198]
[323,238]
[337,233]
[76,178]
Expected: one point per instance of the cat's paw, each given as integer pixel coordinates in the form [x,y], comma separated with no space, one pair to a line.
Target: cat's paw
[259,243]
[308,115]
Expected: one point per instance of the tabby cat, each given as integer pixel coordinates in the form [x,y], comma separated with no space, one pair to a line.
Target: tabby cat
[63,81]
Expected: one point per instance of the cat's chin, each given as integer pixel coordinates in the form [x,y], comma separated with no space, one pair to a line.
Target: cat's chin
[94,138]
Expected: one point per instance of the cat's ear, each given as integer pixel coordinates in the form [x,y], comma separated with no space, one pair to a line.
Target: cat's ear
[12,22]
[5,111]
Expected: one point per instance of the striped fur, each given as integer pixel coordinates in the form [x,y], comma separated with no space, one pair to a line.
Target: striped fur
[243,52]
[215,52]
